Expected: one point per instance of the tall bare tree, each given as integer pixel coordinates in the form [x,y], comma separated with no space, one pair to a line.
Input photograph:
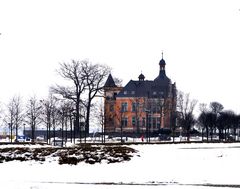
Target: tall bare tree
[9,118]
[87,81]
[18,113]
[202,118]
[94,75]
[99,114]
[14,116]
[216,108]
[64,111]
[33,113]
[72,72]
[49,111]
[185,108]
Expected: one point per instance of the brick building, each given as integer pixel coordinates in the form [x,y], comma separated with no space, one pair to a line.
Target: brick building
[141,106]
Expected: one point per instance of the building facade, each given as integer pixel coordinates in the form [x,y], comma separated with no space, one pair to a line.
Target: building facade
[142,106]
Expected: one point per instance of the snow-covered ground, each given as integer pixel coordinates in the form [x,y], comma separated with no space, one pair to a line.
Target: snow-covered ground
[154,166]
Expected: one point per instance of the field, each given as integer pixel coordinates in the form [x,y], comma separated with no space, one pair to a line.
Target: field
[148,166]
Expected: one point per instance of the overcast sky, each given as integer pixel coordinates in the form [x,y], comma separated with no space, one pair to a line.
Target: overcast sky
[200,40]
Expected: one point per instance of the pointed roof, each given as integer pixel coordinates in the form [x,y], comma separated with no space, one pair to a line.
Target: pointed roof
[162,61]
[162,77]
[110,82]
[141,77]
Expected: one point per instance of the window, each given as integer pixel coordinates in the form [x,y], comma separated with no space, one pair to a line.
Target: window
[133,121]
[156,108]
[124,107]
[133,92]
[134,107]
[125,92]
[124,121]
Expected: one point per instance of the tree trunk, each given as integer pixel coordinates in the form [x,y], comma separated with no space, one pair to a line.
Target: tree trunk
[47,133]
[11,130]
[211,134]
[33,132]
[188,135]
[207,131]
[54,134]
[66,134]
[16,130]
[70,119]
[74,131]
[78,127]
[87,118]
[62,129]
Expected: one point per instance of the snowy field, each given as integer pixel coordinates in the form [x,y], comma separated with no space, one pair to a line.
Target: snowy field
[154,166]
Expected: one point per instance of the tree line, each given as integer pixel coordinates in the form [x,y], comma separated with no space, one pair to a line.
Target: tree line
[67,106]
[213,122]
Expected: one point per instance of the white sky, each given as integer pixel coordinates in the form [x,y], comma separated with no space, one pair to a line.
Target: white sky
[200,40]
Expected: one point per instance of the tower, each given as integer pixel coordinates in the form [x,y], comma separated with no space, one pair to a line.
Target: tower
[110,92]
[162,65]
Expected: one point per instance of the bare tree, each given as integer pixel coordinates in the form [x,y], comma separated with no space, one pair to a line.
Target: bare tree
[33,113]
[18,115]
[49,111]
[202,118]
[87,79]
[227,123]
[99,113]
[64,110]
[216,107]
[207,120]
[73,73]
[9,118]
[69,109]
[223,123]
[121,119]
[117,81]
[94,75]
[14,116]
[185,108]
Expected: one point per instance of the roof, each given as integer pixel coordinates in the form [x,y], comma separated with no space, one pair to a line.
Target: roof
[110,82]
[162,62]
[160,87]
[162,78]
[146,88]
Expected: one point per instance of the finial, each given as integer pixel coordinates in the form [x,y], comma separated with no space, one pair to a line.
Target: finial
[162,54]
